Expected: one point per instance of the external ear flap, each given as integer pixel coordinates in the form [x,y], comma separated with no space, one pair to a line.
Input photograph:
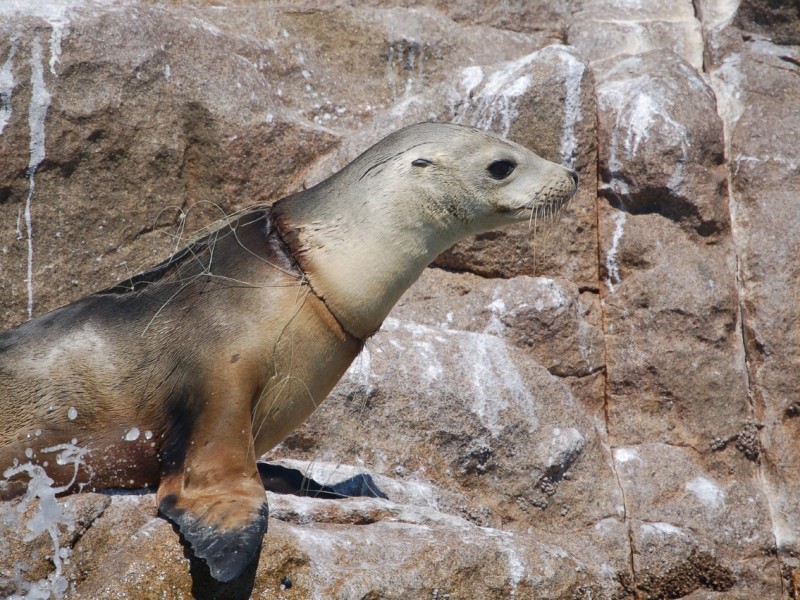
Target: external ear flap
[421,162]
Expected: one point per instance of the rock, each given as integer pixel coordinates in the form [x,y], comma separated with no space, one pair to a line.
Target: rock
[361,547]
[685,536]
[36,551]
[550,319]
[607,30]
[671,308]
[665,150]
[156,148]
[494,452]
[756,83]
[776,19]
[673,347]
[605,408]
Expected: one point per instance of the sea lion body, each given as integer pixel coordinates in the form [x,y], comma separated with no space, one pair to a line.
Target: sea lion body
[182,376]
[96,372]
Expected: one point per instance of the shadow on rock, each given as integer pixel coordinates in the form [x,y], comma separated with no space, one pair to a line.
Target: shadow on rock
[284,480]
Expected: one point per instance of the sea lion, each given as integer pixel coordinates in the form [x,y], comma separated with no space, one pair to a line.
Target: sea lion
[182,375]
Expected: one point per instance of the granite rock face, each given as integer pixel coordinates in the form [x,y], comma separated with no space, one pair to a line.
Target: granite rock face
[607,407]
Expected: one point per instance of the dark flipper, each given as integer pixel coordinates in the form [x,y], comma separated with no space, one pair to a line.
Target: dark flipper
[227,552]
[210,487]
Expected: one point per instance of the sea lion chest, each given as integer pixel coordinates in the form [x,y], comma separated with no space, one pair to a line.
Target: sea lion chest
[311,353]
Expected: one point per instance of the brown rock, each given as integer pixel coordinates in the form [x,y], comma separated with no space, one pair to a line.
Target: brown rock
[757,83]
[670,311]
[121,172]
[548,318]
[542,19]
[687,534]
[777,19]
[494,414]
[37,541]
[676,376]
[338,549]
[607,30]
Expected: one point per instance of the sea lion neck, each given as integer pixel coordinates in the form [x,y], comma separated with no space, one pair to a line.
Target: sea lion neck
[358,248]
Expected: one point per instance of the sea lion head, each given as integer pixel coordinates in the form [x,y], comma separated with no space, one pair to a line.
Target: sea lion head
[481,180]
[365,234]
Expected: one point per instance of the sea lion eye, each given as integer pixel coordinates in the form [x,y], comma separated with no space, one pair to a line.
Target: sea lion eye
[500,169]
[421,162]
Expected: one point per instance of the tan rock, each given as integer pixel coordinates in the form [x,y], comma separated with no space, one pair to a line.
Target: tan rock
[756,83]
[607,30]
[315,548]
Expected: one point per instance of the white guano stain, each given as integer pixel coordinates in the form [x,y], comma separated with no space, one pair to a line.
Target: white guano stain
[7,84]
[563,447]
[46,516]
[647,116]
[471,78]
[496,383]
[612,264]
[516,568]
[491,370]
[497,309]
[708,492]
[550,294]
[621,190]
[56,14]
[496,105]
[59,27]
[643,109]
[497,306]
[662,529]
[572,106]
[37,113]
[427,356]
[626,455]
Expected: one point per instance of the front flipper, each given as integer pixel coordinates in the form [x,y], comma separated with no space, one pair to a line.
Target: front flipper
[211,490]
[227,551]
